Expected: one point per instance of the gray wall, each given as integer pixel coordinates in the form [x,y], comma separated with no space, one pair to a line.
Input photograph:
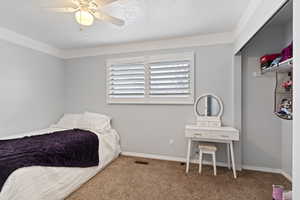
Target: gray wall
[36,89]
[149,128]
[287,146]
[262,130]
[31,87]
[287,126]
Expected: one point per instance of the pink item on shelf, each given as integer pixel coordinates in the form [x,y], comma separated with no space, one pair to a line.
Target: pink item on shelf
[277,192]
[287,84]
[287,53]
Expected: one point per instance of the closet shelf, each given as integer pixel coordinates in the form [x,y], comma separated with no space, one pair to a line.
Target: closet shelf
[285,66]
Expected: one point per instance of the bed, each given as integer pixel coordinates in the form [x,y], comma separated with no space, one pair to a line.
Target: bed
[39,182]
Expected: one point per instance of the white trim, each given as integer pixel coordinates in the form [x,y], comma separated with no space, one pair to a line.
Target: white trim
[146,60]
[13,37]
[253,20]
[287,176]
[169,158]
[170,43]
[248,13]
[221,164]
[174,43]
[262,169]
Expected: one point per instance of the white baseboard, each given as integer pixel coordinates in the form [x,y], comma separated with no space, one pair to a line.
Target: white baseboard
[221,164]
[270,170]
[262,169]
[153,156]
[287,176]
[168,158]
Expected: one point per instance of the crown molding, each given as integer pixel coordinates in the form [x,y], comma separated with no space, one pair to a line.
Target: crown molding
[173,43]
[16,38]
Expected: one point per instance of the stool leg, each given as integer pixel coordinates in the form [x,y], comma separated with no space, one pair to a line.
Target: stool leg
[200,162]
[214,163]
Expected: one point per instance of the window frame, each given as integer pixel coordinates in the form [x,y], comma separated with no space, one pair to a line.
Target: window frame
[146,60]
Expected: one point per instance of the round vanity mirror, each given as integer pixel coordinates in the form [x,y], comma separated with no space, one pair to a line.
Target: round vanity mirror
[208,109]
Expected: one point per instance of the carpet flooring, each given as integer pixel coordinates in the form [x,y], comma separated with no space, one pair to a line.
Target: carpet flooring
[165,180]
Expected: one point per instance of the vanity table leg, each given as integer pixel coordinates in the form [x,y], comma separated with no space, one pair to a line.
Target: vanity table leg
[188,155]
[228,155]
[232,159]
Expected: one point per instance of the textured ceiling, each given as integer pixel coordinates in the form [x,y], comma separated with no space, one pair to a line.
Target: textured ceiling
[145,20]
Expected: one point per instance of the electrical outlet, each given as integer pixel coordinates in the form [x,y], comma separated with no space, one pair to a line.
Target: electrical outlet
[171,141]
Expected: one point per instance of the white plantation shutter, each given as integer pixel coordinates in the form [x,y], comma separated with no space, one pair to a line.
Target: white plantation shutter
[170,79]
[127,81]
[162,79]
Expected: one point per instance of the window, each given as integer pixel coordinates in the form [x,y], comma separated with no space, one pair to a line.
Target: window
[161,79]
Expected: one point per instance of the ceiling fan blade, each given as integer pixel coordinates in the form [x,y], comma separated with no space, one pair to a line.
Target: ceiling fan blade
[63,10]
[105,2]
[105,17]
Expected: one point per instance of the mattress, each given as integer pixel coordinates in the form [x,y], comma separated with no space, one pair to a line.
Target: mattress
[54,183]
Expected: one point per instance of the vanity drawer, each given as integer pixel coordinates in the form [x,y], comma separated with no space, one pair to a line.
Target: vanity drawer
[212,134]
[209,124]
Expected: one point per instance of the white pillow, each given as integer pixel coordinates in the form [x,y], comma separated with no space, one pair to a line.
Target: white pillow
[94,122]
[69,121]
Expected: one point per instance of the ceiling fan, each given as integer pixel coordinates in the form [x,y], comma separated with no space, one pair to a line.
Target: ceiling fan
[86,11]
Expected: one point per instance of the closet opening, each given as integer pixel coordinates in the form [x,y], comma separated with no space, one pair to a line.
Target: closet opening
[267,100]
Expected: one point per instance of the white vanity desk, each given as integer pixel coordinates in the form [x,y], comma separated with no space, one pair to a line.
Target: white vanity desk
[226,135]
[208,110]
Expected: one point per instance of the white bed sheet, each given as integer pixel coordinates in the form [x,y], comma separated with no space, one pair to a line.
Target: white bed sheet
[55,183]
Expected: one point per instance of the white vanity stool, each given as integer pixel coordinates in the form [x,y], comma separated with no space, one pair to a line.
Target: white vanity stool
[207,149]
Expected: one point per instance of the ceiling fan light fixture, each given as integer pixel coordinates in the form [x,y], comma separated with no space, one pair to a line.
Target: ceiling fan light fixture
[84,18]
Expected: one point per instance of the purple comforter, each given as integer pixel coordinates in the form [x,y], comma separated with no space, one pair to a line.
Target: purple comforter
[70,148]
